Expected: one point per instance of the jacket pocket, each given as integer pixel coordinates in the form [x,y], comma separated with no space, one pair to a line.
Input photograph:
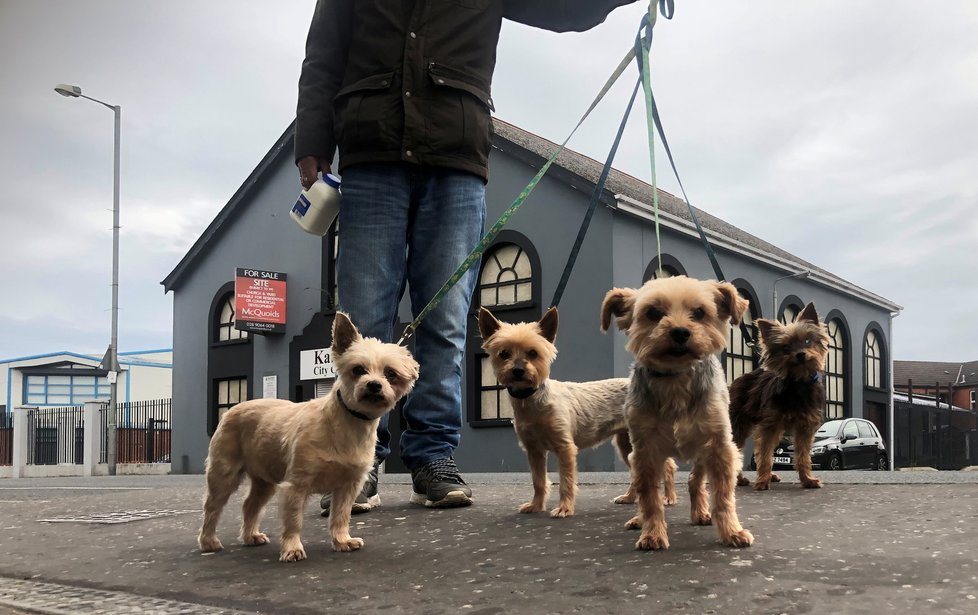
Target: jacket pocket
[365,113]
[458,120]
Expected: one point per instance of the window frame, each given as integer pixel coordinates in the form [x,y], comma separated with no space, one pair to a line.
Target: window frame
[839,381]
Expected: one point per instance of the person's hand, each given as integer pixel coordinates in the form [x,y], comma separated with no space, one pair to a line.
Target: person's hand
[308,167]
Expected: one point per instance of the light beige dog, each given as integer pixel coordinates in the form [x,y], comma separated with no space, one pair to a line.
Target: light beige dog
[550,415]
[677,400]
[322,445]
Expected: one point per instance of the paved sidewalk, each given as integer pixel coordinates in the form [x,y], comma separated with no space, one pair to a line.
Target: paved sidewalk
[858,547]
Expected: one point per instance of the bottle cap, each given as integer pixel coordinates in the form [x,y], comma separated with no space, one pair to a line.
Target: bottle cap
[331,180]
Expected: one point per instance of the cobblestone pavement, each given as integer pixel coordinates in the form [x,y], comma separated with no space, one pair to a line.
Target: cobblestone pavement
[855,546]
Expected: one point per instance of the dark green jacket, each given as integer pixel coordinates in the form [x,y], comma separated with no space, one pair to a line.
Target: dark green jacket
[392,80]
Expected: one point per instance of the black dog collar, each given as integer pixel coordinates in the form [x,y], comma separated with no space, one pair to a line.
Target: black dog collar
[359,415]
[521,393]
[654,373]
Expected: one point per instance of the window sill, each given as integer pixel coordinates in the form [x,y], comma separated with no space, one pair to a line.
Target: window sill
[491,423]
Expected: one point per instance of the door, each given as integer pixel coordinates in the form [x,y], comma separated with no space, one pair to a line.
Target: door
[868,439]
[852,454]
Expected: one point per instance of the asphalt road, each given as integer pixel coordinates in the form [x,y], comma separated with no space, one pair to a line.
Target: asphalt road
[859,547]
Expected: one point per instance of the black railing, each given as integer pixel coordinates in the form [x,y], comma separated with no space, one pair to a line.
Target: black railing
[143,432]
[53,435]
[6,439]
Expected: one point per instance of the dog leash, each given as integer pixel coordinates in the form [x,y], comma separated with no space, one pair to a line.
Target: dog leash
[655,125]
[493,231]
[648,21]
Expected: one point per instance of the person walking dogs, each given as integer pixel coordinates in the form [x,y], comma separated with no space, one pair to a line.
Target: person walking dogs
[402,89]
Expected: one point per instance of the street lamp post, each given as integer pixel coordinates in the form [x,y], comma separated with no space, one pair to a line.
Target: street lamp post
[113,353]
[800,274]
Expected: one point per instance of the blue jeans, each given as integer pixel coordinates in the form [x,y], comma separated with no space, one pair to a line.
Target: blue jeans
[405,225]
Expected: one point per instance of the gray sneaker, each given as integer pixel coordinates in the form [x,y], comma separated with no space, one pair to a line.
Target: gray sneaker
[367,499]
[438,484]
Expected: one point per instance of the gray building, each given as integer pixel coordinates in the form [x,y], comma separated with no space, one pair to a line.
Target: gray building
[215,365]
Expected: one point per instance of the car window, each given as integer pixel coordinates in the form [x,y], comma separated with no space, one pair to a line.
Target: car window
[865,430]
[828,430]
[850,430]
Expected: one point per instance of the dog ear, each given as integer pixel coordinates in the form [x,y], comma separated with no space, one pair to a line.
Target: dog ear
[809,314]
[488,324]
[618,303]
[548,325]
[729,303]
[344,333]
[767,328]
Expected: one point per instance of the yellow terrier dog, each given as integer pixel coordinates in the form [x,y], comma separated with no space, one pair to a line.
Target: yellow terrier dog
[549,415]
[322,445]
[677,399]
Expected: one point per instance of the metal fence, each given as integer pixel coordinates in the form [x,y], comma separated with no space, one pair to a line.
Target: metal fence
[942,438]
[143,433]
[6,439]
[55,436]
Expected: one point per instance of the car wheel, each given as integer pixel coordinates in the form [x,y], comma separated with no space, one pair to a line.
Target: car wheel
[835,461]
[881,463]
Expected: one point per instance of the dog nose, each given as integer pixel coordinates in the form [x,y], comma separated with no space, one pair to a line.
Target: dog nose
[800,357]
[679,334]
[518,372]
[374,387]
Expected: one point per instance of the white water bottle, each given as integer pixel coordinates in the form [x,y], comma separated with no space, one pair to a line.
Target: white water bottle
[317,207]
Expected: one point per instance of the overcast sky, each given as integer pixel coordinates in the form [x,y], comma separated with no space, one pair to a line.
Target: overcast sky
[845,133]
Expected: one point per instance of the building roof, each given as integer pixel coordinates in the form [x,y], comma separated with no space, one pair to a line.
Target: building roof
[635,196]
[624,192]
[930,402]
[123,360]
[924,373]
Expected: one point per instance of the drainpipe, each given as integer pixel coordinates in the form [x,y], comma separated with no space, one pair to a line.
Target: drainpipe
[891,449]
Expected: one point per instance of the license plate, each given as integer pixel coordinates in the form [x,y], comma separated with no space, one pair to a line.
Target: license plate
[783,460]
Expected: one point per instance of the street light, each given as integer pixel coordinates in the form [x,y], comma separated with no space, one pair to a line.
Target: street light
[800,274]
[112,355]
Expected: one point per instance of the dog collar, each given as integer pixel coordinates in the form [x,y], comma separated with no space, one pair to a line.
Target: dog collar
[521,393]
[654,373]
[359,415]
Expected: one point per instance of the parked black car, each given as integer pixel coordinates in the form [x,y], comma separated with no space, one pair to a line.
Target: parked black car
[842,444]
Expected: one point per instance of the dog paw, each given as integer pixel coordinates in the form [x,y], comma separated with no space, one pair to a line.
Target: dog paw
[625,498]
[349,544]
[255,540]
[811,483]
[651,542]
[209,544]
[531,507]
[292,555]
[702,518]
[562,511]
[742,481]
[671,500]
[775,478]
[635,523]
[740,539]
[762,485]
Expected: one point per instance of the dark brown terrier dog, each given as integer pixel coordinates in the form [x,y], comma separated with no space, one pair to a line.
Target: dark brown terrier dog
[785,395]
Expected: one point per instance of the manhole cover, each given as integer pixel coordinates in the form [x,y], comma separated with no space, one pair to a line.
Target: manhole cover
[122,516]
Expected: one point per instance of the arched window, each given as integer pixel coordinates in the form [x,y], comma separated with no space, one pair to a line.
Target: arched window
[506,278]
[740,358]
[670,267]
[230,358]
[789,313]
[873,356]
[509,285]
[835,371]
[225,331]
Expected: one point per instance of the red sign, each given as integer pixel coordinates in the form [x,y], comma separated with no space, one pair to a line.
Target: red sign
[259,301]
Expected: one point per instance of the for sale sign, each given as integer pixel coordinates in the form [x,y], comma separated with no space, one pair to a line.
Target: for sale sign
[259,300]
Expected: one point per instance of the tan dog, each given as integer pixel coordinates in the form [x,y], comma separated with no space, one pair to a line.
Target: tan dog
[550,415]
[322,445]
[785,394]
[677,400]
